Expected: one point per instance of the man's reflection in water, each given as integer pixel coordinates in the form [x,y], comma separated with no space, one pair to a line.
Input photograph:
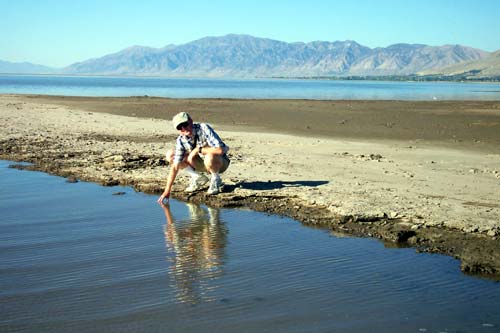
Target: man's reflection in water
[197,245]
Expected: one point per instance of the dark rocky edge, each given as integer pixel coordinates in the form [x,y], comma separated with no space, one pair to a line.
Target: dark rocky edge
[479,253]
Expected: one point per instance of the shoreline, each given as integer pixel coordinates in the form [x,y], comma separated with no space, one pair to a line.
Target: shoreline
[437,78]
[413,174]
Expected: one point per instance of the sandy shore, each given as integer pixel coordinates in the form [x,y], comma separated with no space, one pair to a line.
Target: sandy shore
[421,174]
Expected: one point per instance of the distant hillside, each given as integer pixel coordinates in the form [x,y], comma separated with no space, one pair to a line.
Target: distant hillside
[247,56]
[24,68]
[486,67]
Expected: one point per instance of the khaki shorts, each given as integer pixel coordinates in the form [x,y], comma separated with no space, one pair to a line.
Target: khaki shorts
[199,164]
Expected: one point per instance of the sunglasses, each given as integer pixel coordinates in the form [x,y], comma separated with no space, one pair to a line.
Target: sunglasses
[183,125]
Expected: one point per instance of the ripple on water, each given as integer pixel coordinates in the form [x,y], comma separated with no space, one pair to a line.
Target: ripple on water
[77,258]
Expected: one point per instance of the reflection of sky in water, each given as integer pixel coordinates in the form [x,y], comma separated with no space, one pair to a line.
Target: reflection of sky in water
[257,88]
[195,247]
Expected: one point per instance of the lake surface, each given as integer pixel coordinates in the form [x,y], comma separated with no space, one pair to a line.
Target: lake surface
[76,258]
[247,89]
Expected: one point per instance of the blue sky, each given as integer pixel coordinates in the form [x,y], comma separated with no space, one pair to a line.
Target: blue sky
[60,32]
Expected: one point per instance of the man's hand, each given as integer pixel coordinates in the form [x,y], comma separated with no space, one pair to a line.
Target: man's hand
[161,199]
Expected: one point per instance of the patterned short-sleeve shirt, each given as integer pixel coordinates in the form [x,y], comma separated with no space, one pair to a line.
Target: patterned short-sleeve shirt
[203,136]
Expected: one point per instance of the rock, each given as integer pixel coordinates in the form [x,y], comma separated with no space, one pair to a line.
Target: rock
[119,193]
[470,229]
[404,235]
[393,214]
[492,233]
[71,179]
[114,158]
[370,216]
[109,181]
[376,157]
[413,240]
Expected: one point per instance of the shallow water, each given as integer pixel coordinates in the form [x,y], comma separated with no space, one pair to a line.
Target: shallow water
[76,258]
[256,88]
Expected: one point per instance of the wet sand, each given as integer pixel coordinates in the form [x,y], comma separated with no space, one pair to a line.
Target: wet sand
[465,124]
[420,174]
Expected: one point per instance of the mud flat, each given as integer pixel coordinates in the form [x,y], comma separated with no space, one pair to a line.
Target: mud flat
[418,174]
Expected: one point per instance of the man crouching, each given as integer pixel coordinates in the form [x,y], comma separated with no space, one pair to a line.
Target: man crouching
[198,149]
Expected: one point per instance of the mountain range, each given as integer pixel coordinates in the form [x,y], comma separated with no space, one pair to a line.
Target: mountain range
[486,67]
[248,56]
[24,68]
